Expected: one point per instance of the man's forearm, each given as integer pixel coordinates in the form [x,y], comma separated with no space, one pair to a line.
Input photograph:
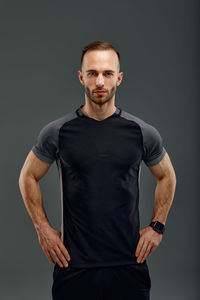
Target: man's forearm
[164,195]
[32,197]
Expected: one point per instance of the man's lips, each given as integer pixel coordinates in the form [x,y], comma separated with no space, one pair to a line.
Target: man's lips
[100,92]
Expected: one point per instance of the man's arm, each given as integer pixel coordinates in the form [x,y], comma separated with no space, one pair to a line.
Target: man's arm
[165,188]
[32,171]
[164,194]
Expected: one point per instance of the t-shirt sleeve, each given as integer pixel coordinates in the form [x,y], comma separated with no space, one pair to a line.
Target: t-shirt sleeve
[46,146]
[153,149]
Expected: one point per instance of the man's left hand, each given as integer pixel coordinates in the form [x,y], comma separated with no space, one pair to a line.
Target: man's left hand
[148,242]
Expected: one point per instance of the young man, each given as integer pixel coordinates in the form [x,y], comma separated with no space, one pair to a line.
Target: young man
[100,252]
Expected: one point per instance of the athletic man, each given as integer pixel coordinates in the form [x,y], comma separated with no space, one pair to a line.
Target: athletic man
[98,147]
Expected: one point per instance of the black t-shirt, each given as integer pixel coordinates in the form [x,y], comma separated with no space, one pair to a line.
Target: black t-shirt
[99,165]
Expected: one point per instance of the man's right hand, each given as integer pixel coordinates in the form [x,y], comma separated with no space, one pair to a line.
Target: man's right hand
[52,245]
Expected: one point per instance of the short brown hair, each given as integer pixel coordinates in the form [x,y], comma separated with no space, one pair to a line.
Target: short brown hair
[99,45]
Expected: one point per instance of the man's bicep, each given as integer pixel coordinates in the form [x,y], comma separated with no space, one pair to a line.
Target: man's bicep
[34,167]
[163,168]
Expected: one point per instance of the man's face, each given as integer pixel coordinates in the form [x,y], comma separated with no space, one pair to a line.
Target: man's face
[100,72]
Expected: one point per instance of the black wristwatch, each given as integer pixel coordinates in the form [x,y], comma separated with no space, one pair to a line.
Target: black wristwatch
[157,226]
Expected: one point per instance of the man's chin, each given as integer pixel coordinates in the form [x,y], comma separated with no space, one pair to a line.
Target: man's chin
[100,101]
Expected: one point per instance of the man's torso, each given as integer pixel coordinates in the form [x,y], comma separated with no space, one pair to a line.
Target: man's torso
[99,165]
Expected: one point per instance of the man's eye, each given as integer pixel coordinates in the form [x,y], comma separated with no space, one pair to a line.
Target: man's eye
[107,73]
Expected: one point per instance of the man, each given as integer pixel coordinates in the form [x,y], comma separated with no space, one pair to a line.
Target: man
[100,252]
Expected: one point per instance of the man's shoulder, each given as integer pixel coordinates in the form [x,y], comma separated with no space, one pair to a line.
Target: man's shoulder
[50,130]
[129,116]
[147,129]
[57,123]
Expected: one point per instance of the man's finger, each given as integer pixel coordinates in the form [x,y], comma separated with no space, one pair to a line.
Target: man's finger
[61,256]
[147,252]
[139,247]
[64,251]
[56,258]
[142,252]
[49,257]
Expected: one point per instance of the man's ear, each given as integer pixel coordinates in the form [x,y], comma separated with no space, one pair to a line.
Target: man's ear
[80,76]
[120,76]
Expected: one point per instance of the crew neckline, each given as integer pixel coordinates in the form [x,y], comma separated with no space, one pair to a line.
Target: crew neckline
[81,114]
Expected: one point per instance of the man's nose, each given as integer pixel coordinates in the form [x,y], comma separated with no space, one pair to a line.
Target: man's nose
[100,80]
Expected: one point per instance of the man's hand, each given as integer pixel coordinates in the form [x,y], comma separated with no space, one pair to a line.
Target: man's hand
[148,242]
[52,244]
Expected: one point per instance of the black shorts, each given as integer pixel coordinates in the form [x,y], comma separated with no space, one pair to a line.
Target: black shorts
[127,282]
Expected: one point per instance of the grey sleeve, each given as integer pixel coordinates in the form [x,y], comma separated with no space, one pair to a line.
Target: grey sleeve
[153,150]
[46,146]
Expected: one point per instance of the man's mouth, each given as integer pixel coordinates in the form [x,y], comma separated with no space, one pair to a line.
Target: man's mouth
[100,92]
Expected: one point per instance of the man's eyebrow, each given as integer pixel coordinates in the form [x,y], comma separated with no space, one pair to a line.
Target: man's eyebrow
[96,71]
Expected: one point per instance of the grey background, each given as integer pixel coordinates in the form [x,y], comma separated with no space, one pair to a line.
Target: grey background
[41,43]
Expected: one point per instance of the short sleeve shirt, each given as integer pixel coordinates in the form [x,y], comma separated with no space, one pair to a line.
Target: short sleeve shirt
[99,166]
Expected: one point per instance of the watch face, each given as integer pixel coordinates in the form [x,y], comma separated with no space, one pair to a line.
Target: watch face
[158,226]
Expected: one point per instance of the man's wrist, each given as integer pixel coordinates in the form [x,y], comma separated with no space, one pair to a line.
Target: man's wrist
[157,226]
[42,225]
